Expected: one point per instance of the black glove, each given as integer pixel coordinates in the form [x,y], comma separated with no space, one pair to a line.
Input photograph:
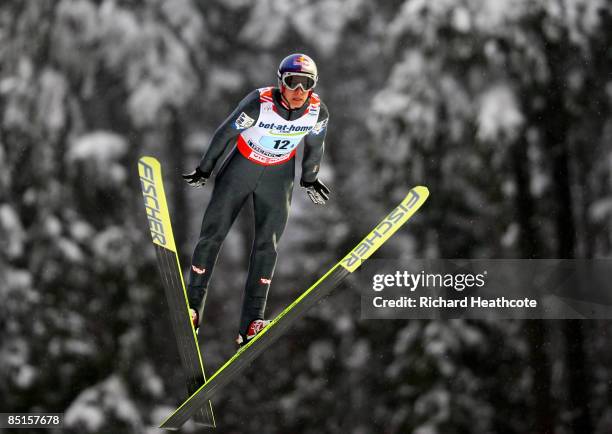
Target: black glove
[317,191]
[197,178]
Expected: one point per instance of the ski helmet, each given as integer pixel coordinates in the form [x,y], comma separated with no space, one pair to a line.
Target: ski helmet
[297,70]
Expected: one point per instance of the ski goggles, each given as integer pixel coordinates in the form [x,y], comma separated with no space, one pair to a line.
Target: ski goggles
[293,80]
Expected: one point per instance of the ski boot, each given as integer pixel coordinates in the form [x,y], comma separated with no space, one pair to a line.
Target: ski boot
[255,327]
[195,319]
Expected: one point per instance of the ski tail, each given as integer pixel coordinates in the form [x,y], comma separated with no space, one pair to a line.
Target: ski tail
[168,263]
[320,289]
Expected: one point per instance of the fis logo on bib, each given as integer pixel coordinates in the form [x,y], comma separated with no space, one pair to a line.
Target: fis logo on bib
[244,121]
[319,127]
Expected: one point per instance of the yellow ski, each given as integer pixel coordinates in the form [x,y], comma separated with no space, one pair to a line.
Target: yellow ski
[158,217]
[322,287]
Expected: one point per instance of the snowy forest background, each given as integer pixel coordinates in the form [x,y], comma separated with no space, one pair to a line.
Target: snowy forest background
[502,108]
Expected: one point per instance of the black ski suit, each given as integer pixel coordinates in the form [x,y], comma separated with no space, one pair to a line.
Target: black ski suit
[266,182]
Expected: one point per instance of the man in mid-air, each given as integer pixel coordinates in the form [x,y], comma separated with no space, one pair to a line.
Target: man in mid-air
[266,128]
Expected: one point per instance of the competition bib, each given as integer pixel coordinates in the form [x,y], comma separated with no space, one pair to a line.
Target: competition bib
[272,139]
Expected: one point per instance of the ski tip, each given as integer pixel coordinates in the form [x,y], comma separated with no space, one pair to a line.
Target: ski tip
[148,160]
[386,228]
[421,190]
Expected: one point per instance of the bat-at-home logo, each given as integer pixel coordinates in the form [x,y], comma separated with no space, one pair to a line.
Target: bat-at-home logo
[152,203]
[380,232]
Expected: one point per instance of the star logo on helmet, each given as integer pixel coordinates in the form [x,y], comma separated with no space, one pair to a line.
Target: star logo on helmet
[302,60]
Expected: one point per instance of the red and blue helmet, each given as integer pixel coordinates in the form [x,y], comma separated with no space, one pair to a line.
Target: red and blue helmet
[298,70]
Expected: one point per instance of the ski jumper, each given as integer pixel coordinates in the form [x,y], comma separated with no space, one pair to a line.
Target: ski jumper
[260,168]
